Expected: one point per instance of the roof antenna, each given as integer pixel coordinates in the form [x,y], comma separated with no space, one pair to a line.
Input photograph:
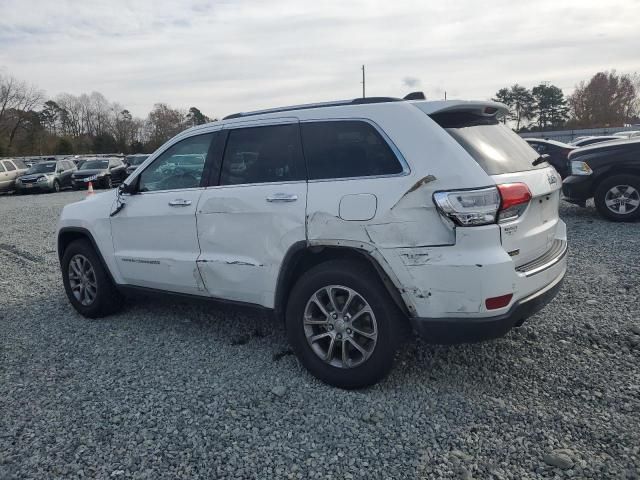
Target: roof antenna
[415,96]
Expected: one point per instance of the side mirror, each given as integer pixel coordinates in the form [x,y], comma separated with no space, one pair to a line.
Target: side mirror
[128,188]
[60,170]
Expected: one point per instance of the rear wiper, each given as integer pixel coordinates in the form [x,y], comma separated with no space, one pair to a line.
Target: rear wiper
[540,159]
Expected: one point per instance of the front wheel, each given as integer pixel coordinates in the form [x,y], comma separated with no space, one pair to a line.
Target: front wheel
[56,186]
[87,283]
[618,198]
[108,184]
[342,324]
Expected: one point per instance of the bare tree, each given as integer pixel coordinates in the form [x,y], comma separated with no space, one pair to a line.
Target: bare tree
[71,114]
[163,123]
[17,98]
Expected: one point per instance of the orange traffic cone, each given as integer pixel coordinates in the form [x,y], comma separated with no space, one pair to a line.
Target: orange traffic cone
[90,189]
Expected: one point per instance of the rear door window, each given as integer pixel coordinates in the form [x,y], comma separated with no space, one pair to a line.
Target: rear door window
[346,149]
[539,147]
[495,147]
[262,155]
[9,165]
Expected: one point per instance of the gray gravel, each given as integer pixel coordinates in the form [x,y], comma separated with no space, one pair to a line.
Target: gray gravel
[168,389]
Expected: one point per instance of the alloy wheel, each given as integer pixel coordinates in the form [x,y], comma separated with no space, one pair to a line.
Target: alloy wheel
[622,199]
[82,279]
[340,326]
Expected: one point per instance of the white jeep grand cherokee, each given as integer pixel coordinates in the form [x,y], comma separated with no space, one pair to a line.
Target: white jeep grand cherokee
[350,220]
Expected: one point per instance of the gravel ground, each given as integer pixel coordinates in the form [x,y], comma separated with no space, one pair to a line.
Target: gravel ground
[168,389]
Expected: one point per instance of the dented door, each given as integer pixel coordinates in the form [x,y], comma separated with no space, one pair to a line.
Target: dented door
[248,222]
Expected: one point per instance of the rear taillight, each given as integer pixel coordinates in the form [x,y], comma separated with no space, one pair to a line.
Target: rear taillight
[515,198]
[469,207]
[483,206]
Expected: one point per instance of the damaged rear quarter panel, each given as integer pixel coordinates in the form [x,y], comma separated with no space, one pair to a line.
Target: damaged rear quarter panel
[406,217]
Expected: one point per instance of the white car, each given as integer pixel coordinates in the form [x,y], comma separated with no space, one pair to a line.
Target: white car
[350,220]
[627,134]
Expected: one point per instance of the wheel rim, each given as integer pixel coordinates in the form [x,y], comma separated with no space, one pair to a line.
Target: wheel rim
[340,326]
[622,199]
[82,279]
[56,186]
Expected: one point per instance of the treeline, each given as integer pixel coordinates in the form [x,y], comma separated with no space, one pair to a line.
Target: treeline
[608,99]
[31,124]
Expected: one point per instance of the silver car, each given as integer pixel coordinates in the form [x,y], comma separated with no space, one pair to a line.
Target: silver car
[46,176]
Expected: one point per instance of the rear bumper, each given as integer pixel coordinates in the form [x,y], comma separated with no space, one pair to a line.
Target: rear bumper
[465,329]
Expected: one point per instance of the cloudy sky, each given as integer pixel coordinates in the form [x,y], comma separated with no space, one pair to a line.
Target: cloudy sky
[225,56]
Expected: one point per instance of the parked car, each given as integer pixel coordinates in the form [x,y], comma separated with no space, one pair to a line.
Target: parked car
[134,161]
[558,153]
[46,176]
[351,221]
[591,140]
[102,172]
[610,174]
[627,134]
[79,160]
[10,170]
[30,162]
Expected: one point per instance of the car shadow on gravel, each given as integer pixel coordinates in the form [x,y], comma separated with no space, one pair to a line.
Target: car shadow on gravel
[201,326]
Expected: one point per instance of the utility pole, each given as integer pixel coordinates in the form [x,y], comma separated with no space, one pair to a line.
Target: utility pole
[445,94]
[363,82]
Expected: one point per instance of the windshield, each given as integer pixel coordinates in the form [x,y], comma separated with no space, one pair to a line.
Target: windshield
[495,147]
[136,159]
[42,168]
[95,165]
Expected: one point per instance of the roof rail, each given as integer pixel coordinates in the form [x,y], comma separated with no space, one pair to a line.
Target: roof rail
[357,101]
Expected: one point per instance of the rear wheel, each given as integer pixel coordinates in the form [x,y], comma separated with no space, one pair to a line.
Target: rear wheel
[618,198]
[87,283]
[343,325]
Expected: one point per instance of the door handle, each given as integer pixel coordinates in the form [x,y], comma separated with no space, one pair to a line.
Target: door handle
[282,197]
[179,203]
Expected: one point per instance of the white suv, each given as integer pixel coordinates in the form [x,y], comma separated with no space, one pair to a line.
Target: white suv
[350,220]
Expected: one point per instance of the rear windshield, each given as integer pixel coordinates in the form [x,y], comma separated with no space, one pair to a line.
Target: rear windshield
[495,147]
[136,159]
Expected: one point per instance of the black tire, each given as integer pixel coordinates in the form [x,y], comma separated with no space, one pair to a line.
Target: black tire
[56,186]
[609,183]
[362,278]
[108,184]
[107,300]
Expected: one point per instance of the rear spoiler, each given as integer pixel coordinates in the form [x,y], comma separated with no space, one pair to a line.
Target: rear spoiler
[486,109]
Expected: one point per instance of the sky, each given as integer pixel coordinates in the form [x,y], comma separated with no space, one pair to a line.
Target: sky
[226,56]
